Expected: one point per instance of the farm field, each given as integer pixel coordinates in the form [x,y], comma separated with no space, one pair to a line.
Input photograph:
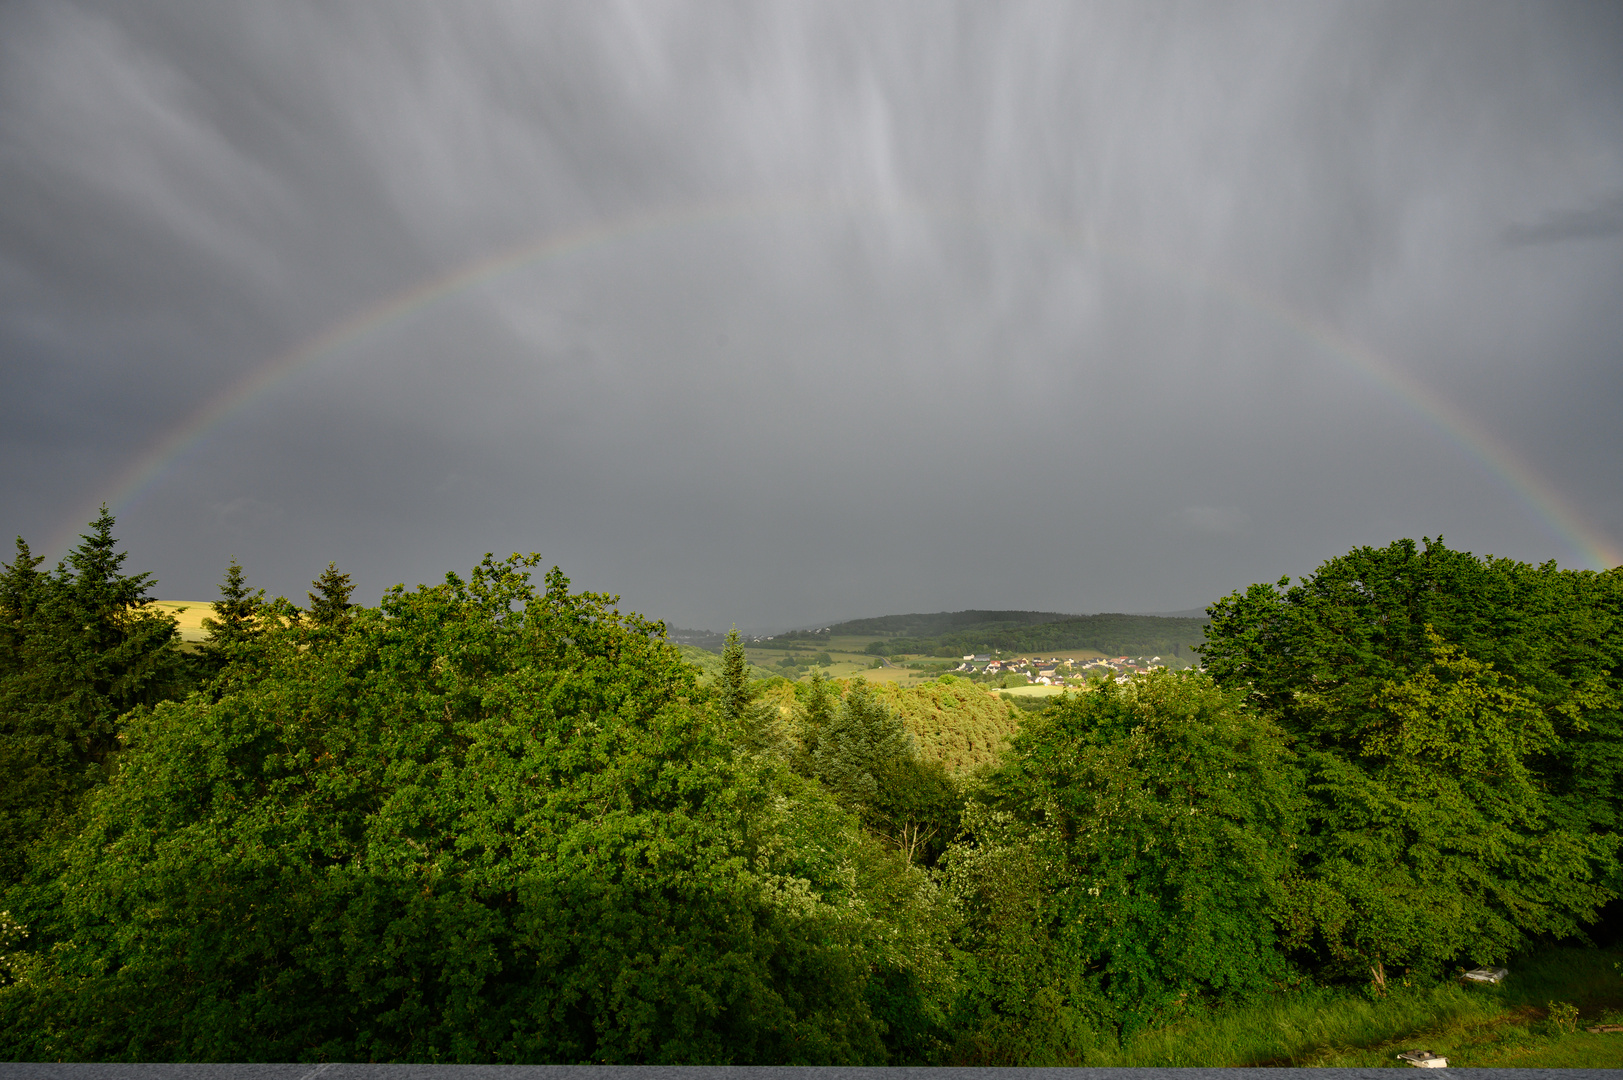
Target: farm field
[1034,691]
[189,614]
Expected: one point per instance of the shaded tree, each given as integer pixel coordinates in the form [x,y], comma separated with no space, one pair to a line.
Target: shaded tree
[330,602]
[862,738]
[915,807]
[80,649]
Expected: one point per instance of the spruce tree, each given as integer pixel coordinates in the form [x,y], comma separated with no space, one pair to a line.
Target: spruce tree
[862,740]
[330,602]
[19,584]
[236,617]
[81,649]
[754,726]
[818,702]
[734,683]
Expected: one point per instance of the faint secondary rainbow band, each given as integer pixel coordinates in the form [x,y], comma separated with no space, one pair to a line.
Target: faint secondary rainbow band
[1539,495]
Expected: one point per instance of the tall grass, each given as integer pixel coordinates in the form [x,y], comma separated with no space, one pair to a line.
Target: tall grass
[1347,1026]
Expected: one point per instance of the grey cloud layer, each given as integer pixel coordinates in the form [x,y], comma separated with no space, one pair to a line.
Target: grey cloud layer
[878,308]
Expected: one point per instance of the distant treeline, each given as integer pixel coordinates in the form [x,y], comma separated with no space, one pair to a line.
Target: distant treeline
[708,640]
[954,633]
[1115,635]
[934,624]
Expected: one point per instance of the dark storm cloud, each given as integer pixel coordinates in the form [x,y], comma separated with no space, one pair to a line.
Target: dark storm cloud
[1590,223]
[868,308]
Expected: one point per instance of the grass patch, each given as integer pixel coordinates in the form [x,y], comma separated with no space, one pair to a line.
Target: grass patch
[1471,1025]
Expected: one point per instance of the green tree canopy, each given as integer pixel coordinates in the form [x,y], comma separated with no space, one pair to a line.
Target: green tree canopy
[1432,841]
[1133,850]
[1330,658]
[480,822]
[863,737]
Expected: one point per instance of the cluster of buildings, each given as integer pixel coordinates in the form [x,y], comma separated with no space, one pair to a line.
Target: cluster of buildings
[1055,671]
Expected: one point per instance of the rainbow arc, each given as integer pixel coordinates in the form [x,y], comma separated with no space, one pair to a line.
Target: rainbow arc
[1540,496]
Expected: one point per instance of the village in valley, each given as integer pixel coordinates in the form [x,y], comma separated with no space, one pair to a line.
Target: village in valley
[1058,670]
[1016,654]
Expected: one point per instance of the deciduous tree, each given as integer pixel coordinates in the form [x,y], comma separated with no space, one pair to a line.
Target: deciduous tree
[1134,849]
[484,822]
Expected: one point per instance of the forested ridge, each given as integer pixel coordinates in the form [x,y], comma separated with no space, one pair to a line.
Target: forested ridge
[498,820]
[953,633]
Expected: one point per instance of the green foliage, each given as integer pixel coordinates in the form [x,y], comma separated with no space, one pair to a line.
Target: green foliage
[1131,854]
[952,721]
[916,807]
[817,699]
[1026,702]
[1433,841]
[862,740]
[477,823]
[732,688]
[487,821]
[1363,619]
[709,665]
[1563,1016]
[1459,723]
[756,727]
[77,650]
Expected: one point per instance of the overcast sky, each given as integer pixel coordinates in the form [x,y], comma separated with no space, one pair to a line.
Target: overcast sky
[774,314]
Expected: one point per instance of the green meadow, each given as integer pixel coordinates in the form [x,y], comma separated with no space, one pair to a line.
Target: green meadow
[1510,1025]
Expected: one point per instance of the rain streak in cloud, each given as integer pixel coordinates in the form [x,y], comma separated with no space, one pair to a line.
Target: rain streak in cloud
[779,314]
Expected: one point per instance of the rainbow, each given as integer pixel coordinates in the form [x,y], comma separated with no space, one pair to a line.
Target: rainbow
[1537,493]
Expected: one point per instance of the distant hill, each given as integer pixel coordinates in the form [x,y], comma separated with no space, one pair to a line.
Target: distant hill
[950,633]
[938,623]
[708,640]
